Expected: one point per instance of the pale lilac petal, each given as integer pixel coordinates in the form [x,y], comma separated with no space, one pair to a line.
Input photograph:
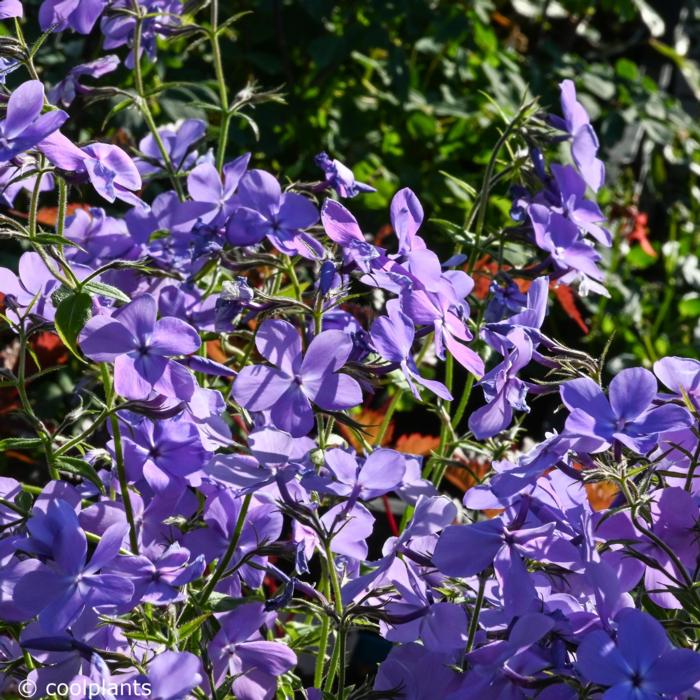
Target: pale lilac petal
[406,218]
[339,224]
[383,470]
[108,589]
[333,392]
[258,387]
[175,380]
[10,8]
[23,107]
[466,357]
[108,546]
[490,419]
[272,658]
[63,153]
[444,627]
[342,464]
[466,550]
[635,626]
[173,336]
[128,381]
[327,352]
[62,612]
[260,191]
[204,184]
[103,339]
[174,674]
[678,373]
[292,412]
[280,344]
[677,671]
[631,391]
[585,394]
[600,661]
[296,212]
[233,172]
[139,316]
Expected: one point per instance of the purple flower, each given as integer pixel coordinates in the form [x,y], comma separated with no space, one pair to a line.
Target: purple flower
[185,302]
[69,88]
[110,170]
[265,211]
[24,126]
[484,541]
[441,311]
[503,668]
[10,8]
[20,174]
[503,390]
[414,614]
[172,675]
[675,517]
[393,337]
[417,673]
[296,380]
[178,141]
[30,290]
[275,456]
[570,254]
[252,662]
[165,453]
[574,205]
[157,574]
[381,472]
[627,414]
[262,525]
[640,662]
[161,16]
[340,177]
[205,185]
[59,590]
[79,15]
[681,375]
[140,346]
[584,142]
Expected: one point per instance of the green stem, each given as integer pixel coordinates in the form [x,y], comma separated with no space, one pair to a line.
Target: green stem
[66,447]
[461,407]
[486,191]
[337,664]
[119,458]
[391,409]
[323,638]
[143,102]
[228,555]
[39,426]
[62,205]
[445,428]
[34,201]
[221,81]
[289,268]
[474,622]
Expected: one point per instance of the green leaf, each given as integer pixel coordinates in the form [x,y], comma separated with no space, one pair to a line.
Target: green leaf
[19,443]
[54,239]
[192,626]
[106,290]
[71,316]
[81,468]
[689,305]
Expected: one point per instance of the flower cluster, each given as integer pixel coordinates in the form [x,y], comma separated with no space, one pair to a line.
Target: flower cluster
[213,513]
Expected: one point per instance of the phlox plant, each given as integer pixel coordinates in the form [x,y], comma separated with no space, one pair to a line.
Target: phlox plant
[206,520]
